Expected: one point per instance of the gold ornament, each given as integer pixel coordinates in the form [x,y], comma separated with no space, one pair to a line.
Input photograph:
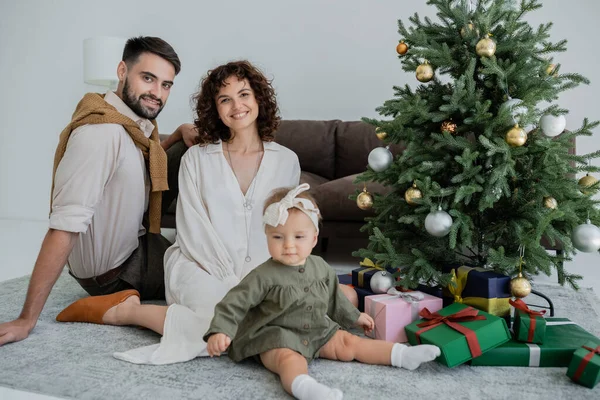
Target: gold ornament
[550,202]
[520,286]
[413,194]
[516,136]
[585,182]
[448,126]
[364,201]
[551,70]
[402,48]
[424,72]
[468,30]
[380,134]
[486,47]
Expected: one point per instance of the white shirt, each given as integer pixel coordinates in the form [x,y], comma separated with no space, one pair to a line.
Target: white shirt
[101,191]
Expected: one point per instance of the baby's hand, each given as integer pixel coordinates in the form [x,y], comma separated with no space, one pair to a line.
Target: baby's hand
[366,322]
[218,343]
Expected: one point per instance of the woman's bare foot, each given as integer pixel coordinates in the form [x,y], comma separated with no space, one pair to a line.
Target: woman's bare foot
[119,314]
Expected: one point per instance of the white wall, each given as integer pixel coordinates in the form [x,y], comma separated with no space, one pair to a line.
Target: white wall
[329,59]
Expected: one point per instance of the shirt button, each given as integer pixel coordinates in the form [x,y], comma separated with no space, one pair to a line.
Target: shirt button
[305,342]
[309,308]
[306,289]
[301,270]
[306,326]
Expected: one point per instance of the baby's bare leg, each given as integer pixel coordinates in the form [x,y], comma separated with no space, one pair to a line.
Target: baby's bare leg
[345,346]
[292,369]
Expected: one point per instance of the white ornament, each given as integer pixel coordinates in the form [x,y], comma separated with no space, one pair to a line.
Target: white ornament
[380,159]
[515,108]
[438,223]
[381,282]
[553,125]
[586,237]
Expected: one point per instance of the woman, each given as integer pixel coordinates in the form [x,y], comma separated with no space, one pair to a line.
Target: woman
[223,183]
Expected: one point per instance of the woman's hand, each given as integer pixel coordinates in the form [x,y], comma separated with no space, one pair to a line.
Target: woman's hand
[366,322]
[218,343]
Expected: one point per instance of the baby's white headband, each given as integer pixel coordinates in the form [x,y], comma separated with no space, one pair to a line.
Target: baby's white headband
[277,213]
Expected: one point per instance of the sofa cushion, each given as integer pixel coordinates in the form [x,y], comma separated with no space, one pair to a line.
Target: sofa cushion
[313,142]
[334,204]
[313,180]
[354,142]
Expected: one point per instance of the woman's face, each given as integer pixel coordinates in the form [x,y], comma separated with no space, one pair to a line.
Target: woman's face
[236,104]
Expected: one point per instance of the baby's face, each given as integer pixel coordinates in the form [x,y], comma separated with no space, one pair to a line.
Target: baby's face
[292,243]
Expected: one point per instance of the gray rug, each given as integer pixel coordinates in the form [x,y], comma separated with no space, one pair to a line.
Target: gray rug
[75,361]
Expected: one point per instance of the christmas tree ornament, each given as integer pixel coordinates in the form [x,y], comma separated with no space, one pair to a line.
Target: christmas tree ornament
[438,223]
[520,286]
[413,193]
[550,202]
[380,134]
[551,70]
[364,200]
[469,30]
[381,282]
[424,72]
[515,108]
[552,125]
[448,126]
[585,182]
[486,47]
[402,48]
[516,136]
[380,159]
[586,237]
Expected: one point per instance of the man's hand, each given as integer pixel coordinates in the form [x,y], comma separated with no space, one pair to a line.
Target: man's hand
[14,331]
[189,133]
[366,322]
[218,343]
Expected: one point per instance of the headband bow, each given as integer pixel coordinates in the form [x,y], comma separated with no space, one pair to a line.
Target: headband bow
[277,213]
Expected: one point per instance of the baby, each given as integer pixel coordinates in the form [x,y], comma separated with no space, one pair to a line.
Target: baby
[289,309]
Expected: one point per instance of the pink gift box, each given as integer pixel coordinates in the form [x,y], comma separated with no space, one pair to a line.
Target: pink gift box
[392,312]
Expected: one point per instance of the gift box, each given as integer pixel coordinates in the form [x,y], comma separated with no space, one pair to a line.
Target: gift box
[393,311]
[529,325]
[585,365]
[361,293]
[480,288]
[461,332]
[562,338]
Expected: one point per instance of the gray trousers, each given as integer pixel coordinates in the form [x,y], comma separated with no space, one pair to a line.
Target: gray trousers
[144,269]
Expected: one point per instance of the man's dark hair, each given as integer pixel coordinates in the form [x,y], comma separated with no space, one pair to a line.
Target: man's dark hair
[148,44]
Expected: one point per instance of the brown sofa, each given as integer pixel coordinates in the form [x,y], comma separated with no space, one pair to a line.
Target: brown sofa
[331,153]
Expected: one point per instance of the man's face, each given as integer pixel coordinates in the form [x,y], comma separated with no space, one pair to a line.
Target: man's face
[146,85]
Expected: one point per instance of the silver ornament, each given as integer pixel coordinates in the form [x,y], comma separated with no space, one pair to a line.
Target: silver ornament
[381,282]
[380,159]
[515,108]
[586,237]
[438,223]
[553,125]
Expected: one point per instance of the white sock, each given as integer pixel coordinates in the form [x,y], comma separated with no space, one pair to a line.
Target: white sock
[407,357]
[305,387]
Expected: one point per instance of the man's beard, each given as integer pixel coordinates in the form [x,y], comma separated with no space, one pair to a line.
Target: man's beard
[135,103]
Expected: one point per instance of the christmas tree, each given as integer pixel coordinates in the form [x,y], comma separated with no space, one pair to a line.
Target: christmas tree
[487,173]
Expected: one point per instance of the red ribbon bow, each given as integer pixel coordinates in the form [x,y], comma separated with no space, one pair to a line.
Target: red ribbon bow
[585,361]
[520,305]
[453,321]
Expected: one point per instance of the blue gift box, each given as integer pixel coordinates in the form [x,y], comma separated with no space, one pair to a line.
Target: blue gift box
[346,279]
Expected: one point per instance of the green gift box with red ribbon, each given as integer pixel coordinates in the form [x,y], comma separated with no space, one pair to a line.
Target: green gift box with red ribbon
[461,332]
[529,325]
[585,365]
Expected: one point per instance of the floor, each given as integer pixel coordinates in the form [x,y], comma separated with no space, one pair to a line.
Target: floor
[20,243]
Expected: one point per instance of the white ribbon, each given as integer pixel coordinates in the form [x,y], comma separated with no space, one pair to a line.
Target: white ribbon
[535,354]
[411,298]
[277,213]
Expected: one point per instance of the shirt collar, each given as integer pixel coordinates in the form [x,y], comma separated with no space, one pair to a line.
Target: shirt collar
[218,147]
[115,101]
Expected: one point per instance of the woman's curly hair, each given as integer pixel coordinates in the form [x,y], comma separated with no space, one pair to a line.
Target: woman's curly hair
[207,121]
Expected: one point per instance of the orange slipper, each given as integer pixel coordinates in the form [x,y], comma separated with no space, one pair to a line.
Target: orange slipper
[92,309]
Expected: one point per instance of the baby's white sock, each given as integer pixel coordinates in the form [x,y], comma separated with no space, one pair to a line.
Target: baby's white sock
[305,387]
[407,357]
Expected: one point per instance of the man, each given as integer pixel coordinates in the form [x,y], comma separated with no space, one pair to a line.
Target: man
[110,168]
